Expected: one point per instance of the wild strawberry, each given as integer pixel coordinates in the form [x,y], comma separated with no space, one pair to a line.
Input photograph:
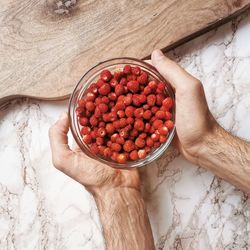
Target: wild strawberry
[121,158]
[103,107]
[136,71]
[98,112]
[162,139]
[123,81]
[142,153]
[101,132]
[150,142]
[130,120]
[128,99]
[133,86]
[123,122]
[104,89]
[142,79]
[157,123]
[114,137]
[151,99]
[112,96]
[127,69]
[93,121]
[106,75]
[134,132]
[94,149]
[106,117]
[136,100]
[160,114]
[120,106]
[138,113]
[90,97]
[123,133]
[116,147]
[101,149]
[99,83]
[147,114]
[84,121]
[147,127]
[81,103]
[113,82]
[101,124]
[112,116]
[87,138]
[90,106]
[128,146]
[107,152]
[147,90]
[168,102]
[110,128]
[134,155]
[142,98]
[163,130]
[169,124]
[159,99]
[119,89]
[154,109]
[139,125]
[114,156]
[168,115]
[99,141]
[131,77]
[155,137]
[152,84]
[79,111]
[140,143]
[85,130]
[116,124]
[129,111]
[120,140]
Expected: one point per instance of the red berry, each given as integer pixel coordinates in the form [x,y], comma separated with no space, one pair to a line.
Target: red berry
[155,137]
[168,102]
[129,146]
[123,81]
[134,155]
[133,86]
[146,107]
[121,158]
[157,144]
[139,125]
[84,121]
[101,149]
[81,103]
[168,115]
[79,111]
[121,113]
[98,112]
[147,114]
[147,127]
[110,128]
[94,149]
[120,106]
[106,75]
[93,88]
[151,99]
[169,124]
[112,96]
[109,143]
[116,147]
[128,99]
[103,107]
[87,138]
[142,98]
[161,87]
[112,116]
[142,79]
[90,97]
[101,132]
[113,82]
[160,114]
[120,140]
[106,117]
[130,120]
[98,101]
[154,109]
[101,124]
[138,113]
[94,133]
[90,106]
[99,141]
[142,153]
[147,90]
[136,70]
[163,130]
[116,124]
[118,75]
[129,111]
[134,133]
[147,149]
[85,130]
[140,143]
[152,84]
[159,99]
[136,100]
[162,139]
[100,82]
[93,121]
[131,77]
[107,152]
[157,123]
[143,135]
[123,133]
[123,122]
[119,89]
[150,142]
[127,69]
[105,100]
[114,137]
[104,89]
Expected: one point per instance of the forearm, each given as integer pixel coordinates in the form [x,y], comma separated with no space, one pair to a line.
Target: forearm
[228,157]
[124,219]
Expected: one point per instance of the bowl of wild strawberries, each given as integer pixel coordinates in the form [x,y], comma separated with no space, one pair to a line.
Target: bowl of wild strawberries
[122,113]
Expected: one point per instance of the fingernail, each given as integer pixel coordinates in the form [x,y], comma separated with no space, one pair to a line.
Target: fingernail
[158,53]
[63,116]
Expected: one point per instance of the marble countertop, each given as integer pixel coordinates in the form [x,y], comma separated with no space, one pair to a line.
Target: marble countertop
[189,208]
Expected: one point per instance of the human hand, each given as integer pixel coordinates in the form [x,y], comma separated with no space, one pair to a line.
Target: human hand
[95,176]
[194,122]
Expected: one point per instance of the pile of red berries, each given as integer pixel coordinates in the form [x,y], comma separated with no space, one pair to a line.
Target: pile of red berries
[125,115]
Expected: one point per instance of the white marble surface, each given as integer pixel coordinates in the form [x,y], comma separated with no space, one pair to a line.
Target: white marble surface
[189,208]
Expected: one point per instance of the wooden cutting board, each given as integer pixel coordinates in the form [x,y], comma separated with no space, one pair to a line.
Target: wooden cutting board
[47,45]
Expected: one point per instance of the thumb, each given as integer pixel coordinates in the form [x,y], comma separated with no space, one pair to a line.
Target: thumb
[171,71]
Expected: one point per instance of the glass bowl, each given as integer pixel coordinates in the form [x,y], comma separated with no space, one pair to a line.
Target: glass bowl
[91,76]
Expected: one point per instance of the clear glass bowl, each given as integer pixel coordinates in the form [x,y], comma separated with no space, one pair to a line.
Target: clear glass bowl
[90,77]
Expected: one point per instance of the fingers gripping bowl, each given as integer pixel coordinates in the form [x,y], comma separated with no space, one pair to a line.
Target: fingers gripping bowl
[122,113]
